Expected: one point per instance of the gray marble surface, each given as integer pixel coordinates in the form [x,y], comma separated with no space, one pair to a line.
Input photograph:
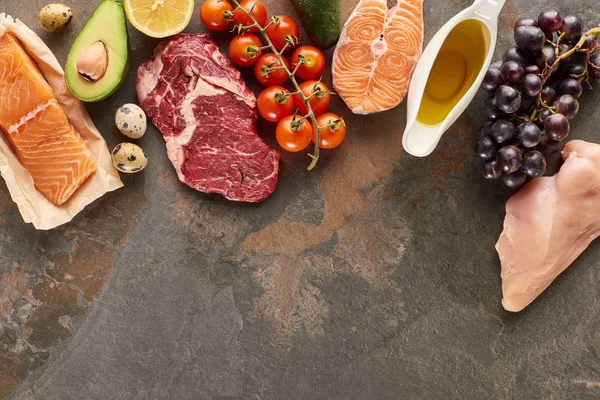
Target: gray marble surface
[374,277]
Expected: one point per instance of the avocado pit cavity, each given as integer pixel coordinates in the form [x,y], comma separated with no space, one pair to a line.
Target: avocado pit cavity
[93,62]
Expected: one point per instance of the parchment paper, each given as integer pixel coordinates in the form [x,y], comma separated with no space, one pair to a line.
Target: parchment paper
[33,205]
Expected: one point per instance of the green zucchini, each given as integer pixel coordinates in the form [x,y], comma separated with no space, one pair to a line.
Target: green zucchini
[321,19]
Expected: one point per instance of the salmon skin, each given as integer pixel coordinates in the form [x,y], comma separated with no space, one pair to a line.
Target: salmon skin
[49,148]
[377,54]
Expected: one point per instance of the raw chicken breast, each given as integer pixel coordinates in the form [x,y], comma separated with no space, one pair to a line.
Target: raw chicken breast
[548,224]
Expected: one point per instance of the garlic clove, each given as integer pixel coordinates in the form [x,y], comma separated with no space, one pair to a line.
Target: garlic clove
[93,62]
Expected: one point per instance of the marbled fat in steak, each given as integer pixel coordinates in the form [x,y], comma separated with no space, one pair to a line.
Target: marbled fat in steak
[207,116]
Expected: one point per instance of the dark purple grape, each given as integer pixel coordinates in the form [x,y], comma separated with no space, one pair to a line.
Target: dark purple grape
[503,131]
[512,71]
[514,180]
[557,127]
[559,74]
[491,170]
[548,95]
[564,47]
[485,130]
[540,125]
[529,135]
[534,164]
[496,64]
[514,54]
[508,99]
[572,27]
[570,86]
[527,103]
[590,43]
[545,114]
[485,148]
[577,58]
[543,142]
[526,22]
[493,79]
[531,84]
[539,59]
[492,112]
[550,53]
[509,159]
[567,105]
[529,38]
[532,69]
[564,65]
[594,67]
[576,70]
[552,146]
[550,20]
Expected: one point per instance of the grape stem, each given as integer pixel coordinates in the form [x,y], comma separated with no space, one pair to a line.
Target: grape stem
[291,74]
[550,69]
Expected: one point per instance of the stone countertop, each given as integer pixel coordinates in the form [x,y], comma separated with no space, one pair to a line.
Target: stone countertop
[373,277]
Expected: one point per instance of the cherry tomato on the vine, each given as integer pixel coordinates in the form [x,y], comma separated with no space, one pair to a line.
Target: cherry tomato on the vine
[333,131]
[313,62]
[275,103]
[268,70]
[259,12]
[319,97]
[244,49]
[294,133]
[281,30]
[212,14]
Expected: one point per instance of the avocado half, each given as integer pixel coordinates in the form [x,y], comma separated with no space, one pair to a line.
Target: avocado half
[108,25]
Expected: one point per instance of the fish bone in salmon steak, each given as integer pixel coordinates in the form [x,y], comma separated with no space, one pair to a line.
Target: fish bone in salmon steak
[49,148]
[377,54]
[548,224]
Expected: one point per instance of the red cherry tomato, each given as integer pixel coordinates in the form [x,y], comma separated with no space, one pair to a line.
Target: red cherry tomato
[268,72]
[294,133]
[275,103]
[212,14]
[280,29]
[319,97]
[244,49]
[259,12]
[313,62]
[333,131]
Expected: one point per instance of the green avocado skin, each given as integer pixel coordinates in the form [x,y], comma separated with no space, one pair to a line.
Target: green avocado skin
[321,19]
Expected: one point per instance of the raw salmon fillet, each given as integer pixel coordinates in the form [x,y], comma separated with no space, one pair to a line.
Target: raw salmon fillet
[37,127]
[548,224]
[377,54]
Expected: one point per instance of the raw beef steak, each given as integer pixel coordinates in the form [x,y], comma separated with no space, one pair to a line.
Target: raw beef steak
[207,116]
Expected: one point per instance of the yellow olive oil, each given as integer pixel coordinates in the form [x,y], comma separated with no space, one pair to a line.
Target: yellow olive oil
[455,69]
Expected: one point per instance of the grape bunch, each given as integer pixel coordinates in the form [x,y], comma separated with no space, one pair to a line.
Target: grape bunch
[533,94]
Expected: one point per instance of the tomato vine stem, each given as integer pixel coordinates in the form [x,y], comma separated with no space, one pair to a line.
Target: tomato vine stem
[292,76]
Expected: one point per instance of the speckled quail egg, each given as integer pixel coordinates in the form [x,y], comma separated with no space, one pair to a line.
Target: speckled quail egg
[54,17]
[131,121]
[129,158]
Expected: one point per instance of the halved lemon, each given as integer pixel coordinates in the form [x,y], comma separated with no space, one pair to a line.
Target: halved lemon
[159,18]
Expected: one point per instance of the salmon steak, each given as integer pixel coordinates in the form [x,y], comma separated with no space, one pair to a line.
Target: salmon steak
[377,54]
[548,224]
[38,129]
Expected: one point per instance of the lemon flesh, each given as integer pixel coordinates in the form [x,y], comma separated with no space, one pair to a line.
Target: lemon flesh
[159,18]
